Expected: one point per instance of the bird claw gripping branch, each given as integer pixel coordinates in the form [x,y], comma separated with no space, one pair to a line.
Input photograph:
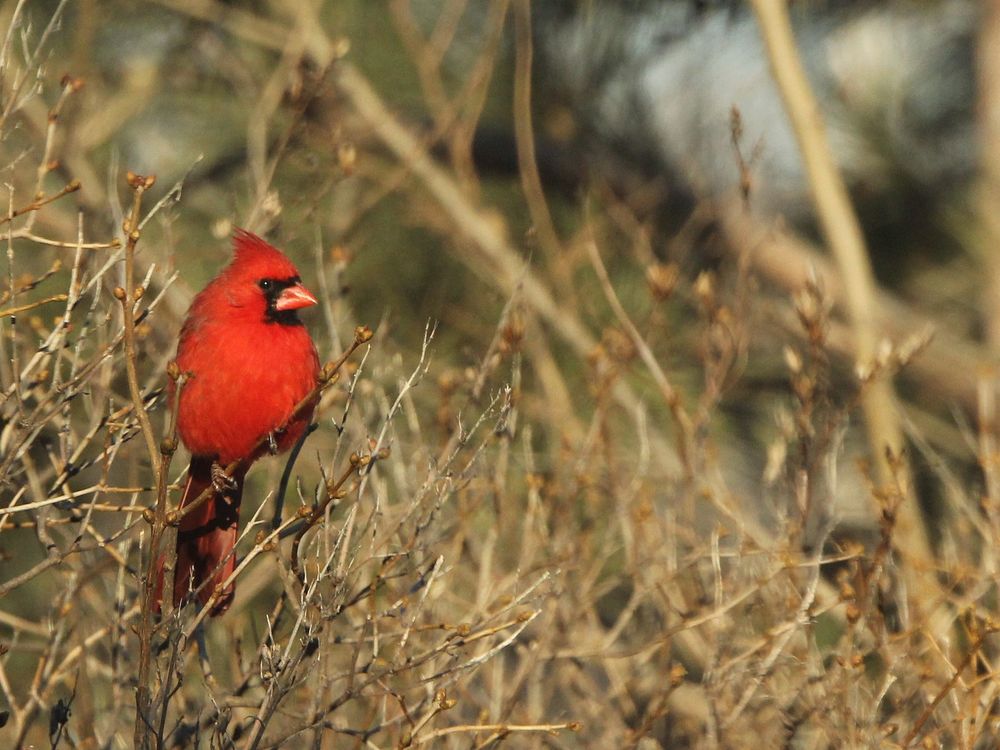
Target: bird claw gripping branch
[272,441]
[221,481]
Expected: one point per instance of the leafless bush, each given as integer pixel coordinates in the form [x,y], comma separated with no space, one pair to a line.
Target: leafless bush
[538,524]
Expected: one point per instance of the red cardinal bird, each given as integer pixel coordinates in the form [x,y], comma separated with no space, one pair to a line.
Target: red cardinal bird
[251,361]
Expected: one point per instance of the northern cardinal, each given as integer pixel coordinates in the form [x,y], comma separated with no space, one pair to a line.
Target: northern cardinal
[249,362]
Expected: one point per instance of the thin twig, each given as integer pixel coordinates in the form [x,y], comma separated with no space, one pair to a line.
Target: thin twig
[128,297]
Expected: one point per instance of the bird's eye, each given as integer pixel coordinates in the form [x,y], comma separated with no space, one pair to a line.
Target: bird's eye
[266,284]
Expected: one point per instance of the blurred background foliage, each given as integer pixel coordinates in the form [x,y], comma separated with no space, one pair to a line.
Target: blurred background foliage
[170,92]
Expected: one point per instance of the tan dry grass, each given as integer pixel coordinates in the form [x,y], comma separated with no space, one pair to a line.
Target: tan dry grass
[537,526]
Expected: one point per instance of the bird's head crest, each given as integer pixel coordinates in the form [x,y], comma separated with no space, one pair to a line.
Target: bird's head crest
[255,257]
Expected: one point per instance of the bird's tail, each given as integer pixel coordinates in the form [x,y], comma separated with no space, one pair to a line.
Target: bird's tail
[205,540]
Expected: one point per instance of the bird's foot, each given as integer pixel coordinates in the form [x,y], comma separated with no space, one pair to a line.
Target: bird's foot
[222,483]
[272,443]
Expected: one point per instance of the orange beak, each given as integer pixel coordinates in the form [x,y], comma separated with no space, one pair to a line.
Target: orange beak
[294,297]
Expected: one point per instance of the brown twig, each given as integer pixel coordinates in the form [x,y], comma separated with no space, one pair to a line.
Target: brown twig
[140,184]
[500,730]
[32,305]
[38,203]
[168,446]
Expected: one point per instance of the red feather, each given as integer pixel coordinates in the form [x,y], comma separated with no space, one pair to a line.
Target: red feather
[250,362]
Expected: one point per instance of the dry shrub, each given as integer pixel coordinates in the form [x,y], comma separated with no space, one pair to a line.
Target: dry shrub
[568,516]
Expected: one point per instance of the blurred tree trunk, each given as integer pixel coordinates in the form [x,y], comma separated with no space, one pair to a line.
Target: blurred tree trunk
[988,65]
